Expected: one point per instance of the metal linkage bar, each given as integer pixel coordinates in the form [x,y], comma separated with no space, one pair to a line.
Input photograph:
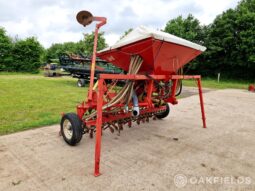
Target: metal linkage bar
[111,118]
[145,77]
[99,127]
[102,21]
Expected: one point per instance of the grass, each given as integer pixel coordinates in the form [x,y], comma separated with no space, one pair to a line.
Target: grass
[223,84]
[31,100]
[28,101]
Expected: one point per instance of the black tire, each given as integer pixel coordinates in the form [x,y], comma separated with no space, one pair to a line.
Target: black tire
[81,83]
[71,128]
[179,88]
[164,113]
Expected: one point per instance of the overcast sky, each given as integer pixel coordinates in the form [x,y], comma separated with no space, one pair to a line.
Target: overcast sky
[53,21]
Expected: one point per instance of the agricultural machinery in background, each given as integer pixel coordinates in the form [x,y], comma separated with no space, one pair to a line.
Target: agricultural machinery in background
[78,66]
[151,61]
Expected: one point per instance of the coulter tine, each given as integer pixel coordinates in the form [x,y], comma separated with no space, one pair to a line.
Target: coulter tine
[91,133]
[115,126]
[111,129]
[130,124]
[118,132]
[120,126]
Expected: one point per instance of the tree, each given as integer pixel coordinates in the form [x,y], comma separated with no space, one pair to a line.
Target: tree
[190,29]
[5,49]
[126,33]
[89,42]
[67,47]
[245,35]
[27,55]
[81,47]
[231,44]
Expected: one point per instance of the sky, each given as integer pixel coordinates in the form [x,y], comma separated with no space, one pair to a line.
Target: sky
[54,21]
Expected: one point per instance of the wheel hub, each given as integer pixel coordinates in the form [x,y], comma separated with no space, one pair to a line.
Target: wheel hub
[68,129]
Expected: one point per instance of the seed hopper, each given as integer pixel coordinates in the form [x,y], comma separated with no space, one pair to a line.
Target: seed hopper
[151,60]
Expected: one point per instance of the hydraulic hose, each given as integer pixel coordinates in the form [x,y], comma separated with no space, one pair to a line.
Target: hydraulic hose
[136,110]
[125,94]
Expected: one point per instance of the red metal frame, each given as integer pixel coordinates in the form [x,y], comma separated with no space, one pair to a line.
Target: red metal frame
[159,57]
[99,119]
[102,21]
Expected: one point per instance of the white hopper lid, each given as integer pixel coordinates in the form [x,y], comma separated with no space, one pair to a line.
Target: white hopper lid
[143,32]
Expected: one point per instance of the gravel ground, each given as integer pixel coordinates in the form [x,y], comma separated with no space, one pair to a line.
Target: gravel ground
[171,154]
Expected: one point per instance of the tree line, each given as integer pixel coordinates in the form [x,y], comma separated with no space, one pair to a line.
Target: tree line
[19,55]
[28,55]
[83,47]
[230,42]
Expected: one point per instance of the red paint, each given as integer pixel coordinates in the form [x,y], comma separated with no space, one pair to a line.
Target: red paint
[161,61]
[98,127]
[102,21]
[159,57]
[149,108]
[251,88]
[201,101]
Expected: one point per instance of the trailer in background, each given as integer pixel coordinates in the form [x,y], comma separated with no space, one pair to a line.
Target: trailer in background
[78,66]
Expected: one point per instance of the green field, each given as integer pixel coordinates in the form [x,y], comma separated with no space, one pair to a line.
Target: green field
[28,101]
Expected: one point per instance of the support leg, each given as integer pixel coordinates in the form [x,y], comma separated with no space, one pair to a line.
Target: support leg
[174,87]
[149,92]
[172,99]
[201,101]
[98,127]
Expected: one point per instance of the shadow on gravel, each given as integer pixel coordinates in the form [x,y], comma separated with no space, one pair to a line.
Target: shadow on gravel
[190,91]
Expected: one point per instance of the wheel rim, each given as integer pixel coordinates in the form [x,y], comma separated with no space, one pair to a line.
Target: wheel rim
[68,129]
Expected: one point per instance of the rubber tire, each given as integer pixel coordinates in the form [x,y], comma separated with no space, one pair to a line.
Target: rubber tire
[164,113]
[76,126]
[81,83]
[179,90]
